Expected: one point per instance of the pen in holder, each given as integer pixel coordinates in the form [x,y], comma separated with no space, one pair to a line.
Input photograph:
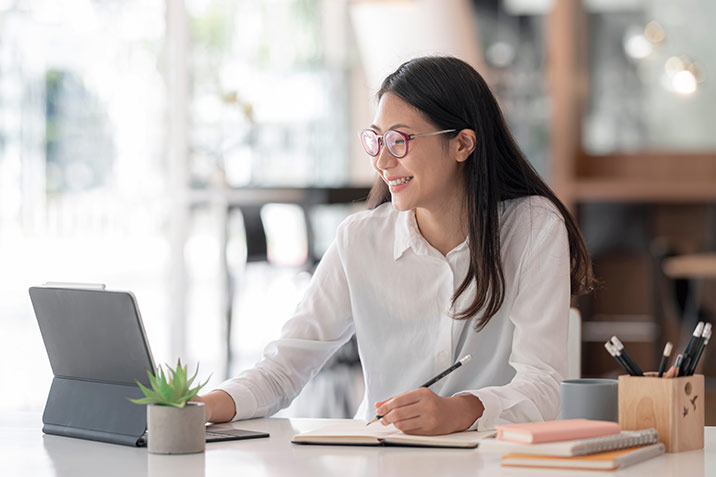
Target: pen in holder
[675,407]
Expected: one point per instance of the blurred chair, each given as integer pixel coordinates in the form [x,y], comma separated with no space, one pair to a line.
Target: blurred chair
[687,274]
[249,201]
[695,268]
[574,344]
[337,389]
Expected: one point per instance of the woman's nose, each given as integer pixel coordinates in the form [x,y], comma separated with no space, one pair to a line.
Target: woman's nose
[385,159]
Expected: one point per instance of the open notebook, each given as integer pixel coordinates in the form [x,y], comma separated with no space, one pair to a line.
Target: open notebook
[355,432]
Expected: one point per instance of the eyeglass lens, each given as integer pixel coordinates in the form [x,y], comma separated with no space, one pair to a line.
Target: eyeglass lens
[370,142]
[396,143]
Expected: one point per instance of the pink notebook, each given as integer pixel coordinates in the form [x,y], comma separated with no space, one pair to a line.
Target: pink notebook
[553,431]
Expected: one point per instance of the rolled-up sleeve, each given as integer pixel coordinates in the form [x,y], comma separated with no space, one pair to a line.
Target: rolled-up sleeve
[540,315]
[320,325]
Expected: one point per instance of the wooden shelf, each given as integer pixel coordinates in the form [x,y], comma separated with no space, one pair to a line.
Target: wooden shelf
[649,165]
[653,191]
[653,176]
[696,265]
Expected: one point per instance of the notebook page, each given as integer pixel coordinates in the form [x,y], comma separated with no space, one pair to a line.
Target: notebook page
[457,437]
[354,428]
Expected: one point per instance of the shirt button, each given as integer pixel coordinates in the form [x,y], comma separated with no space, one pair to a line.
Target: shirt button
[442,356]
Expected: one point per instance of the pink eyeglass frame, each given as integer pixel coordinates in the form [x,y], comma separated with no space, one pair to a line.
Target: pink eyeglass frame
[407,137]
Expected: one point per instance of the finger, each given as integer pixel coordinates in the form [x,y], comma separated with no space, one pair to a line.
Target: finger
[380,403]
[410,426]
[400,400]
[403,413]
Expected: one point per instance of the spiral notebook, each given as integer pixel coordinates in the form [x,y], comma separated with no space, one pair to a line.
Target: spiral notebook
[593,445]
[603,461]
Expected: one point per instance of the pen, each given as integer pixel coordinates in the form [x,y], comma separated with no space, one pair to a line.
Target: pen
[434,380]
[613,351]
[691,348]
[665,358]
[625,356]
[706,337]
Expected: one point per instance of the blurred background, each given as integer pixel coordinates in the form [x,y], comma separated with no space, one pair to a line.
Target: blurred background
[201,154]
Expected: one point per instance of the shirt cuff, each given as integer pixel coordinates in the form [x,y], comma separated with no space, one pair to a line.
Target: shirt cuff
[240,394]
[491,413]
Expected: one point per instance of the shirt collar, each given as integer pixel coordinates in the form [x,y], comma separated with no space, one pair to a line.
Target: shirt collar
[402,239]
[407,235]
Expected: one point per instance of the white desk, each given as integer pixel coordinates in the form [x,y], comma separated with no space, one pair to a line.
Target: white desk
[26,451]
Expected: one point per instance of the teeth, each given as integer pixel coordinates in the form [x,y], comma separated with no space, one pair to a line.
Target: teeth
[402,180]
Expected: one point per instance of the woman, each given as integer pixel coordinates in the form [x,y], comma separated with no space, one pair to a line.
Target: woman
[473,255]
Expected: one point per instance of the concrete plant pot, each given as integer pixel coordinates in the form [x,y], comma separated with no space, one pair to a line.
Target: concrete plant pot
[173,430]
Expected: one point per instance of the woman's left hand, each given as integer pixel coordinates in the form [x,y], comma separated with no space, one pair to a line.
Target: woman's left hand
[423,412]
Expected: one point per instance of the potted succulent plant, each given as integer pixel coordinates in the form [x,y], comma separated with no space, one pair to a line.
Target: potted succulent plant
[175,425]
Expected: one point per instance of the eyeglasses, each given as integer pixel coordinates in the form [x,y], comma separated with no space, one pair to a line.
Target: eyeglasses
[395,141]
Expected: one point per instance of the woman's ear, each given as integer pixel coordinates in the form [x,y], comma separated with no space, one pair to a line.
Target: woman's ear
[466,142]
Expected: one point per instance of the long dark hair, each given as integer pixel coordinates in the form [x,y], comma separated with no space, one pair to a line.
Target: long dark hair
[452,95]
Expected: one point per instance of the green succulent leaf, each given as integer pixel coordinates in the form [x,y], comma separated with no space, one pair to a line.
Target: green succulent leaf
[191,380]
[153,382]
[144,400]
[147,392]
[170,387]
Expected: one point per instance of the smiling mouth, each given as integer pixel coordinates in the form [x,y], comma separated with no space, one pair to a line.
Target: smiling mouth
[402,180]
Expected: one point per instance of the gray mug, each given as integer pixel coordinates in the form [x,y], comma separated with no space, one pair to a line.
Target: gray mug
[590,399]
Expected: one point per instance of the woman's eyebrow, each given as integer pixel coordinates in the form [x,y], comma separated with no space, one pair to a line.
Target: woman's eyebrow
[399,125]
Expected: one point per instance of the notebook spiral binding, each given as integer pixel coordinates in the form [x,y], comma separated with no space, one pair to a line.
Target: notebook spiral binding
[617,441]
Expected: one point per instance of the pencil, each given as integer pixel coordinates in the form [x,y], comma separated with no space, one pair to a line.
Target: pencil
[677,363]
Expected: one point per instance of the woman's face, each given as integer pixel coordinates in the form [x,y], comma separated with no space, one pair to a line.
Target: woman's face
[429,174]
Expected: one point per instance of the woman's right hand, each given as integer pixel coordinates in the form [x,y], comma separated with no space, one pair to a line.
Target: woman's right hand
[218,406]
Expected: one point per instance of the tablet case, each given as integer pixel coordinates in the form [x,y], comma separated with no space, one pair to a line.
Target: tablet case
[97,349]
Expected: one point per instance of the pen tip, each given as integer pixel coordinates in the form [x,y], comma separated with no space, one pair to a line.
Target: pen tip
[466,358]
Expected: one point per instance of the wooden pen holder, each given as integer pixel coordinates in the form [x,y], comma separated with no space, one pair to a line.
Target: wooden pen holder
[675,407]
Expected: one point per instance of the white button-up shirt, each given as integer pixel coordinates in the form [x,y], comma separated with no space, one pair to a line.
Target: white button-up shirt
[383,281]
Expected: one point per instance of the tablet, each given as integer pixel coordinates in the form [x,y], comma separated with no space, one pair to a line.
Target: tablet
[98,350]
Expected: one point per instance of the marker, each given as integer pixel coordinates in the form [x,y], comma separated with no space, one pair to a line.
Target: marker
[697,347]
[613,351]
[691,348]
[665,358]
[625,356]
[464,360]
[706,337]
